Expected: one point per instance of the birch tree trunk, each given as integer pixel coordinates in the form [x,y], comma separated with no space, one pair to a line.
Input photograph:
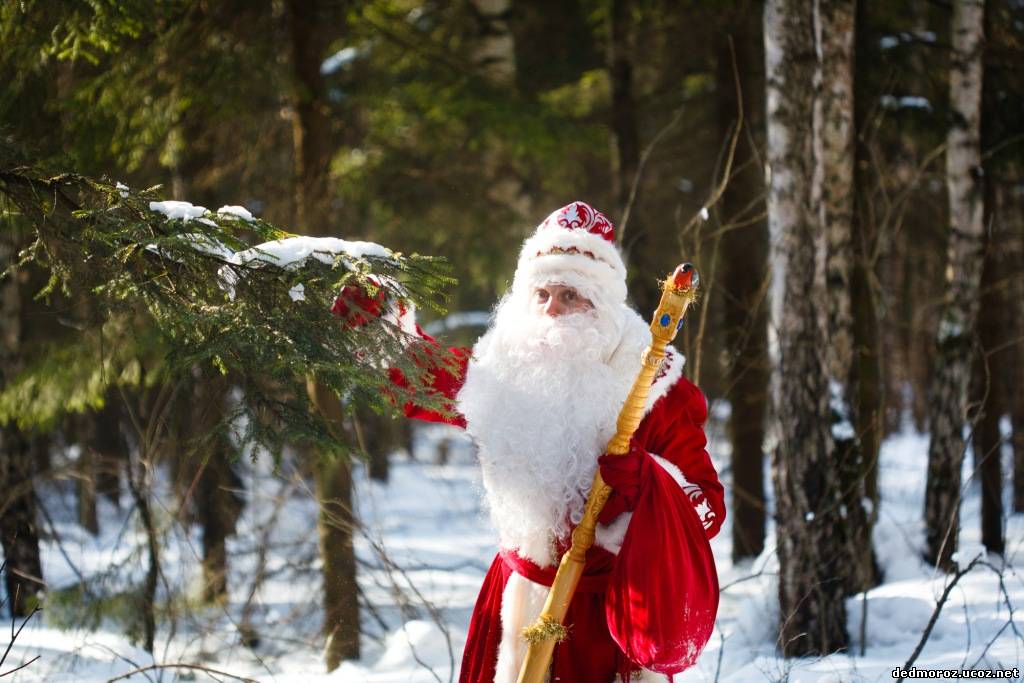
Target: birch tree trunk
[834,126]
[494,50]
[835,32]
[744,272]
[948,404]
[810,530]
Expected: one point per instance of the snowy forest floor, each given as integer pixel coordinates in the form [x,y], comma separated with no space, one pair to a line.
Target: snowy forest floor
[424,548]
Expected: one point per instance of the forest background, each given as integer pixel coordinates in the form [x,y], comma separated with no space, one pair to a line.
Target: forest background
[846,176]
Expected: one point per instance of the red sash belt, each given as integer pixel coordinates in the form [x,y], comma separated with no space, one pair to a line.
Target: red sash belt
[545,576]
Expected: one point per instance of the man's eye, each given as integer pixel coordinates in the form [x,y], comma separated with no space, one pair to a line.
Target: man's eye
[542,295]
[569,296]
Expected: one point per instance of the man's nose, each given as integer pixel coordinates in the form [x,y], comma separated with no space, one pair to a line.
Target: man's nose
[554,307]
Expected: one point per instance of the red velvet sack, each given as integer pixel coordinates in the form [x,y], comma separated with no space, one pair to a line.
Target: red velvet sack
[663,594]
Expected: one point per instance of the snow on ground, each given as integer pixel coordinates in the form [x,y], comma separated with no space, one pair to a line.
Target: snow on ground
[438,543]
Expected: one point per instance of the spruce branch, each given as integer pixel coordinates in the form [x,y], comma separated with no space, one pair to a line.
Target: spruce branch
[265,322]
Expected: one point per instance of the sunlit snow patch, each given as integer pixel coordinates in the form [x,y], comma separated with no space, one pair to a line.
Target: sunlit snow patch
[175,210]
[292,252]
[232,211]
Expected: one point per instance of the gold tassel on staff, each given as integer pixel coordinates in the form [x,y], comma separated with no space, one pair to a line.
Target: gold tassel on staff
[678,292]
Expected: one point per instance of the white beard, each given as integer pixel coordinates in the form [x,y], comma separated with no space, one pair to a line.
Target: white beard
[541,398]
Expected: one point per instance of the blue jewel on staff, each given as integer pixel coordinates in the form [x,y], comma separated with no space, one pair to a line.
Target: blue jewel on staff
[665,320]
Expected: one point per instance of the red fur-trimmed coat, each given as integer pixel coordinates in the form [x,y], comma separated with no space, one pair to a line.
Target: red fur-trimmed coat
[649,594]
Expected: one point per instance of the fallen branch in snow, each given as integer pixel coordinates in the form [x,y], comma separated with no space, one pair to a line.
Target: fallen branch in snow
[246,629]
[55,535]
[721,651]
[455,567]
[15,634]
[19,668]
[213,673]
[390,569]
[1010,623]
[935,613]
[749,577]
[365,601]
[14,637]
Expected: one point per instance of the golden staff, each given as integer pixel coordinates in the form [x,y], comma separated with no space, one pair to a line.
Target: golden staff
[678,292]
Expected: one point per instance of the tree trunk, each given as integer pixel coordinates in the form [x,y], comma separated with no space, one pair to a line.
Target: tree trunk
[987,444]
[216,502]
[308,29]
[110,450]
[1014,216]
[85,482]
[994,362]
[835,133]
[835,139]
[19,534]
[631,232]
[1017,439]
[866,387]
[335,525]
[218,511]
[810,529]
[624,127]
[81,430]
[990,368]
[141,489]
[310,34]
[494,50]
[378,436]
[744,273]
[948,403]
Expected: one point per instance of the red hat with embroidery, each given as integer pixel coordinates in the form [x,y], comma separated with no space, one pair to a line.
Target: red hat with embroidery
[573,246]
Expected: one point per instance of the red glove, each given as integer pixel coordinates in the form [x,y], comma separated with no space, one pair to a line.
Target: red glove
[356,308]
[626,475]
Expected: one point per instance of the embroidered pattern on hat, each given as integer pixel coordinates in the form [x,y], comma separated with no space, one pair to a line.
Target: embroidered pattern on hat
[582,216]
[568,250]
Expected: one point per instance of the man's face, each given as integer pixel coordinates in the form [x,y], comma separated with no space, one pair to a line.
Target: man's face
[555,300]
